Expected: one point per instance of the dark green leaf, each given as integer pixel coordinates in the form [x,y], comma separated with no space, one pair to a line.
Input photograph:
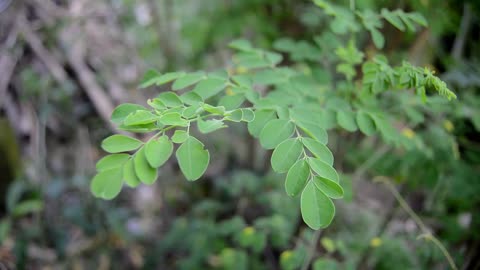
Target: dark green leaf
[319,150]
[317,209]
[275,132]
[286,154]
[322,169]
[262,117]
[328,187]
[297,177]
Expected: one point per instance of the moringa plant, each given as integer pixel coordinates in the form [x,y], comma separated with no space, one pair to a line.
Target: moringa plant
[327,84]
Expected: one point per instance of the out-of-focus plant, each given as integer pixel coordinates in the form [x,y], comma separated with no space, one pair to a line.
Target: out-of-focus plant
[286,107]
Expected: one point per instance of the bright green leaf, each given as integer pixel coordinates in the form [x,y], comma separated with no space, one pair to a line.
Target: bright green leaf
[123,110]
[170,99]
[207,126]
[129,175]
[173,119]
[120,143]
[191,98]
[143,170]
[209,87]
[149,78]
[168,77]
[179,136]
[107,184]
[192,158]
[140,118]
[231,102]
[158,151]
[111,161]
[247,115]
[188,80]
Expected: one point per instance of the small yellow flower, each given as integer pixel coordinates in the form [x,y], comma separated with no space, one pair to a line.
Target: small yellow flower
[376,242]
[241,70]
[408,133]
[229,91]
[448,125]
[249,230]
[285,255]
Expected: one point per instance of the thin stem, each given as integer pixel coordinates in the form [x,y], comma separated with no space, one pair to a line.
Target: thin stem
[426,232]
[402,202]
[432,238]
[352,5]
[312,249]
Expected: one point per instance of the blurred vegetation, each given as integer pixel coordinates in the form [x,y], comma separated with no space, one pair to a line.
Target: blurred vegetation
[66,64]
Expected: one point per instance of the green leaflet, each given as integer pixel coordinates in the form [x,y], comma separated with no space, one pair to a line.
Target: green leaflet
[231,102]
[191,98]
[275,132]
[317,209]
[107,184]
[314,131]
[322,169]
[346,120]
[319,150]
[235,115]
[286,154]
[192,158]
[120,143]
[247,115]
[158,151]
[208,126]
[173,119]
[129,175]
[218,110]
[179,136]
[143,170]
[328,187]
[168,77]
[149,78]
[123,110]
[188,80]
[366,123]
[111,161]
[297,177]
[170,99]
[140,118]
[156,103]
[209,87]
[261,119]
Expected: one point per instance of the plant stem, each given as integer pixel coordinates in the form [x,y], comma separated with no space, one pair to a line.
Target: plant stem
[312,249]
[426,232]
